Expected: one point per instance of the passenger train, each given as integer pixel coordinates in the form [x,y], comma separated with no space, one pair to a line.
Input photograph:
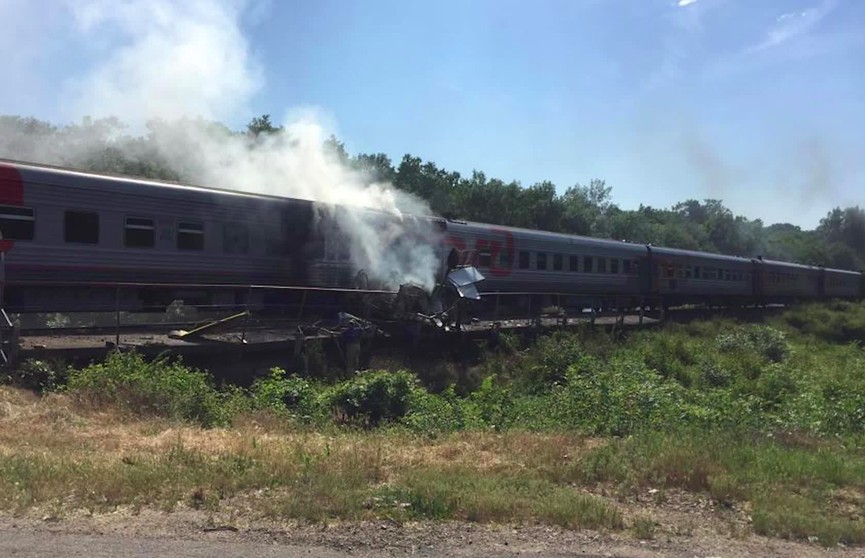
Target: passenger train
[67,234]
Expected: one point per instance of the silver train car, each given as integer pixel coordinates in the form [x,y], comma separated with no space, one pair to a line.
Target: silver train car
[67,234]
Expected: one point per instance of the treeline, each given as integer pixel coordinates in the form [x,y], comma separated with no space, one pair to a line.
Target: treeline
[585,209]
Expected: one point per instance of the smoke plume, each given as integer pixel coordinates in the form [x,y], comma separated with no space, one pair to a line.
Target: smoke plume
[175,67]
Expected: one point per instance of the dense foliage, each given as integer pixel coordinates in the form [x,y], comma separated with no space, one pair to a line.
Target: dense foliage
[792,375]
[587,209]
[768,416]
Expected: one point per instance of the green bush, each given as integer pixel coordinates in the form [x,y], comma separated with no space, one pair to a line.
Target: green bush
[281,393]
[162,388]
[766,341]
[38,375]
[432,414]
[372,398]
[618,397]
[836,322]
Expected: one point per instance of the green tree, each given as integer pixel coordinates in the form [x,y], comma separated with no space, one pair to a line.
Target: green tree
[262,125]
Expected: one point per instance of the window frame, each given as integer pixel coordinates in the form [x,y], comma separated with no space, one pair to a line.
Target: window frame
[80,212]
[200,234]
[139,227]
[541,257]
[18,214]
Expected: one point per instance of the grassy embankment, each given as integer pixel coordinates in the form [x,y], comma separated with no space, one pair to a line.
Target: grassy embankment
[764,422]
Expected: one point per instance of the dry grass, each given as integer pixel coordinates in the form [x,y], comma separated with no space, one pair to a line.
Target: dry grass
[56,455]
[59,458]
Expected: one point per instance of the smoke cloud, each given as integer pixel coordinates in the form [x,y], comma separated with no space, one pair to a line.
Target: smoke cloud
[175,67]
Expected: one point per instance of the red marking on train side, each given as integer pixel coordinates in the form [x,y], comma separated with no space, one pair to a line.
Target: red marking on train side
[11,186]
[11,193]
[496,250]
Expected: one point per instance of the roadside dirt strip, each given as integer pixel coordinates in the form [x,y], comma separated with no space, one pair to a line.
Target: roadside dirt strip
[195,534]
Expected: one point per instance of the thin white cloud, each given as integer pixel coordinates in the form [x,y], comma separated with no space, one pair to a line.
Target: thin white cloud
[680,42]
[793,24]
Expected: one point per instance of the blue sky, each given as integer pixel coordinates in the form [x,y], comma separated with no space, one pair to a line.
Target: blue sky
[759,103]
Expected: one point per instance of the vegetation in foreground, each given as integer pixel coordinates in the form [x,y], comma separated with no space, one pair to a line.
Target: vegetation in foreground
[765,421]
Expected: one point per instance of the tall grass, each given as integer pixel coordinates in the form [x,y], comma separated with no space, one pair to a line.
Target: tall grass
[768,416]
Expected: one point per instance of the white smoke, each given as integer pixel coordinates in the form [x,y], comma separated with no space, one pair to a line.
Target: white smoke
[178,64]
[165,59]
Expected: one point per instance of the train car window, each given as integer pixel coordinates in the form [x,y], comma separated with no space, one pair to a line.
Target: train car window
[602,265]
[587,264]
[669,271]
[504,259]
[485,258]
[139,233]
[574,262]
[190,236]
[626,266]
[524,260]
[541,261]
[557,262]
[697,272]
[235,238]
[614,265]
[81,227]
[17,223]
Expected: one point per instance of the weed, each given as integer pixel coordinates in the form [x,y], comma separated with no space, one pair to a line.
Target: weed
[644,528]
[161,388]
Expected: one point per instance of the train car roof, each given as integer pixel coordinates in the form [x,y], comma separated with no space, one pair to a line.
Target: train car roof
[789,264]
[553,235]
[127,180]
[845,271]
[67,171]
[697,254]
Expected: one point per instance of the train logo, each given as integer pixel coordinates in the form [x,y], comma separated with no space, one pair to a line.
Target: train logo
[500,251]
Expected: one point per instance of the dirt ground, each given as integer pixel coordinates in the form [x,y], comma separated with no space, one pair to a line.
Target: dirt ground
[197,533]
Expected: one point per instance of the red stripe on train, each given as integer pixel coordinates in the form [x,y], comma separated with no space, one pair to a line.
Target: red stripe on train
[11,193]
[11,186]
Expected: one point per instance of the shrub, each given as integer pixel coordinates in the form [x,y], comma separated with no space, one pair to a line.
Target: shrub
[278,392]
[372,398]
[161,388]
[837,322]
[619,397]
[766,341]
[38,375]
[432,414]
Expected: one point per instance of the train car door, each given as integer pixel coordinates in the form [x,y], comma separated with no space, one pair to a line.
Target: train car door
[759,279]
[821,282]
[297,224]
[647,271]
